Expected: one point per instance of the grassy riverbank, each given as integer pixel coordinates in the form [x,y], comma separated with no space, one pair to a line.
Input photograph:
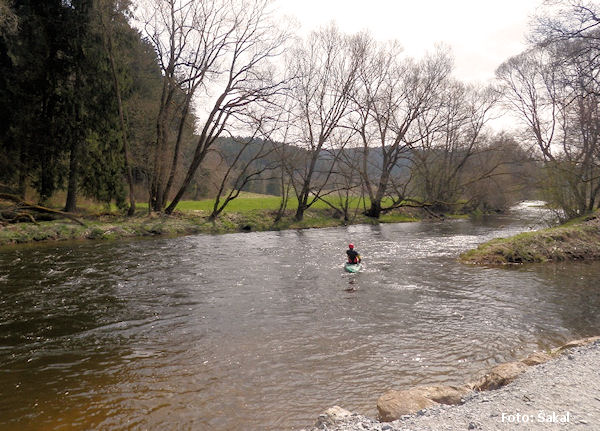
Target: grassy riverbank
[576,240]
[250,213]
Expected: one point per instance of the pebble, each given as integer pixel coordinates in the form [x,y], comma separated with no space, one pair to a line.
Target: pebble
[570,383]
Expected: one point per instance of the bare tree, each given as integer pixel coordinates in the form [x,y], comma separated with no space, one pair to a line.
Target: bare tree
[498,174]
[530,84]
[451,137]
[346,192]
[325,70]
[567,20]
[221,47]
[249,163]
[284,154]
[550,87]
[393,93]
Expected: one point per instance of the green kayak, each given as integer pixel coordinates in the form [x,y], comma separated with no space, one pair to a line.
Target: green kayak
[353,267]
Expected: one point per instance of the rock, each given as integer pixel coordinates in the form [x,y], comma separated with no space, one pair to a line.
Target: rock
[331,416]
[499,376]
[449,395]
[536,358]
[575,343]
[394,404]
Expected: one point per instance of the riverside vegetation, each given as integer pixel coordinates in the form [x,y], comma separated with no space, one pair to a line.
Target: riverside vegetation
[579,239]
[252,212]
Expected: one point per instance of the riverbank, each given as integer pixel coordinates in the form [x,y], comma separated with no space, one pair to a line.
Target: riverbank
[112,226]
[559,394]
[576,240]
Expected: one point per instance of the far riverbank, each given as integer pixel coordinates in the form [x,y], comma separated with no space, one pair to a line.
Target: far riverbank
[112,226]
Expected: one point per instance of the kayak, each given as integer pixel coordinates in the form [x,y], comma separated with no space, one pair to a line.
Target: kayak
[353,267]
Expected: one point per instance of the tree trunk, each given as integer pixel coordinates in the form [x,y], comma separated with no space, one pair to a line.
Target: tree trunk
[124,140]
[157,186]
[198,158]
[302,203]
[375,209]
[177,150]
[71,204]
[23,164]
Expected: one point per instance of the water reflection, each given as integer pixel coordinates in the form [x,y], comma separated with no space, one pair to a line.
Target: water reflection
[352,283]
[226,332]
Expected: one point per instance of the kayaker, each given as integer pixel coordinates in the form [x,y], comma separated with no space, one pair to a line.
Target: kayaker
[353,256]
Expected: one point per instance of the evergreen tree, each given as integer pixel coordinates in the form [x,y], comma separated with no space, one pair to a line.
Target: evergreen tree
[65,96]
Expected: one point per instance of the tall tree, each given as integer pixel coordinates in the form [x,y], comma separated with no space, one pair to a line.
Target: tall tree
[77,18]
[37,82]
[325,68]
[221,47]
[56,77]
[393,94]
[111,15]
[450,141]
[553,87]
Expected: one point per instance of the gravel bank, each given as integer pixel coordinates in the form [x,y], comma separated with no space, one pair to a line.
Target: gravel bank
[563,394]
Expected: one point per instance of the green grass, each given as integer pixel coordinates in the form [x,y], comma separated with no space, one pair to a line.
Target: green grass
[247,202]
[241,204]
[396,218]
[252,202]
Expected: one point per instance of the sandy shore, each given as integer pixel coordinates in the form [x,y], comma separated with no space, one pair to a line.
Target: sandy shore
[563,394]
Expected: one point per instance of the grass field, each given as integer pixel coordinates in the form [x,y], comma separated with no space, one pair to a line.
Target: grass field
[245,202]
[253,201]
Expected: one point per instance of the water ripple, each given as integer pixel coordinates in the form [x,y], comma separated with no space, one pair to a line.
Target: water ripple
[224,332]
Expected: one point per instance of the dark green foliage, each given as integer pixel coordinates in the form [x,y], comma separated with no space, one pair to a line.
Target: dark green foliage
[43,72]
[34,70]
[59,117]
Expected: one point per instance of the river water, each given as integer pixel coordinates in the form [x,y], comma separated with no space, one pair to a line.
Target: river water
[263,331]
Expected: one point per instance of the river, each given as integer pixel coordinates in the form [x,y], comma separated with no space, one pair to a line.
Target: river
[263,331]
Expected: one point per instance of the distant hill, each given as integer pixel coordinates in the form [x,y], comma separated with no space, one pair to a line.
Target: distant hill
[229,148]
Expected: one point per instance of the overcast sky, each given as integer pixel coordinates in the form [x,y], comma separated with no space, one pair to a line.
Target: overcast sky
[481,33]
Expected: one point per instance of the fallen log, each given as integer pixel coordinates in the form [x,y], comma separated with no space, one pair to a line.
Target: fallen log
[24,205]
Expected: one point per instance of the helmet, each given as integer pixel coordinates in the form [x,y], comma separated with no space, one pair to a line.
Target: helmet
[351,246]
